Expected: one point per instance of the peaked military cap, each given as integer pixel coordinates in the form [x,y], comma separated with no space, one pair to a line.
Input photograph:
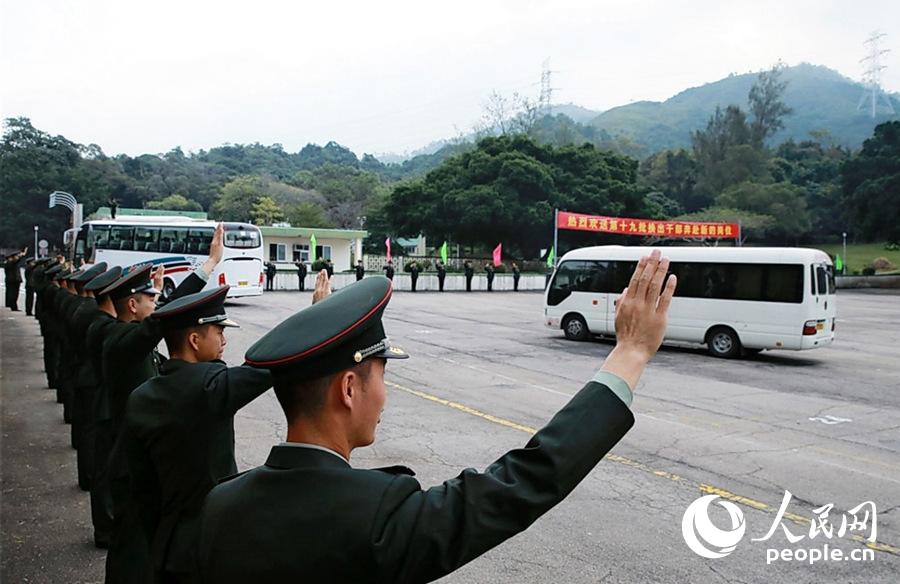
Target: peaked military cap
[334,334]
[54,271]
[71,274]
[204,307]
[137,279]
[103,280]
[89,274]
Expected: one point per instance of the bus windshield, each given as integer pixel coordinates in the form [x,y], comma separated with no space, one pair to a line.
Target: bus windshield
[241,236]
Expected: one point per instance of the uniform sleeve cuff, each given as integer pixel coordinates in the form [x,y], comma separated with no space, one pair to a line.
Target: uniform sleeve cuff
[616,384]
[201,273]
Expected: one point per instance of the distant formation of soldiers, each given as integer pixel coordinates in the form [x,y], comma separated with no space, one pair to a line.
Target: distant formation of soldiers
[155,435]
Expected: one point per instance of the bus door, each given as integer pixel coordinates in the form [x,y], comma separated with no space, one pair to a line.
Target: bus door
[822,288]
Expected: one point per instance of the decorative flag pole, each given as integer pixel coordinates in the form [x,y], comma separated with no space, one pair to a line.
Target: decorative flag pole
[387,244]
[555,235]
[498,254]
[312,249]
[444,253]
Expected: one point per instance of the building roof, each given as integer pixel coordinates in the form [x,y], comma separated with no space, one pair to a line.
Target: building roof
[106,213]
[268,231]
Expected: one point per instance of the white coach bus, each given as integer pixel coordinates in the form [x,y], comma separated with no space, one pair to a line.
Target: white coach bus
[180,244]
[733,300]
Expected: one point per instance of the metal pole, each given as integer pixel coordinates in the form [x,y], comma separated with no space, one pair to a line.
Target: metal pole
[555,236]
[35,242]
[740,242]
[844,263]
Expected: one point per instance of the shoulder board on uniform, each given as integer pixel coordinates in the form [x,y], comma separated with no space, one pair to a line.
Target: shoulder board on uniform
[397,469]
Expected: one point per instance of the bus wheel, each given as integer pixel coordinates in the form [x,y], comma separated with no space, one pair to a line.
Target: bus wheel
[723,342]
[575,328]
[168,288]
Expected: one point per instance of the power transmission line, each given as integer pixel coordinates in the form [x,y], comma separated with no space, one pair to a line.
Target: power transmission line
[872,75]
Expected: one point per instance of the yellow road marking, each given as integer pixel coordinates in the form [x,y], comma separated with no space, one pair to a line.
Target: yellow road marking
[703,487]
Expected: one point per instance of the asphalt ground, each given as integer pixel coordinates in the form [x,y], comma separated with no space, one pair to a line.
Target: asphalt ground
[485,374]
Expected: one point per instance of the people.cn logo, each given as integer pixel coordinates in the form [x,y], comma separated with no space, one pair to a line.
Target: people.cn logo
[700,534]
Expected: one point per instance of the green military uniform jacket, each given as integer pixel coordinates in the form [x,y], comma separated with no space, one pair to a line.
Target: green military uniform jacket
[129,359]
[307,515]
[180,442]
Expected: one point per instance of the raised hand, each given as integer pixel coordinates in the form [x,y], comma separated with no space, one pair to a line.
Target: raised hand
[158,277]
[641,318]
[323,286]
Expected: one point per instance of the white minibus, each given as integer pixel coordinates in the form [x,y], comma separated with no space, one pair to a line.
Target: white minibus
[732,299]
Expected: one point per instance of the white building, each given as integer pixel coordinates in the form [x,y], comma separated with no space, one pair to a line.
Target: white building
[286,245]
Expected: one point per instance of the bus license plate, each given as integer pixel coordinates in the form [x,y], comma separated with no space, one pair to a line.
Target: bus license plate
[820,326]
[242,283]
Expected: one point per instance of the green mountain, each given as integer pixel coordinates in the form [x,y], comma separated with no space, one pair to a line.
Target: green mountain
[822,99]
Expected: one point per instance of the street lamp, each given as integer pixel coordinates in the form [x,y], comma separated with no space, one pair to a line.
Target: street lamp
[844,234]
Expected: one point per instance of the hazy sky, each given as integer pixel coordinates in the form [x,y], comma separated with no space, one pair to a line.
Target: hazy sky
[386,76]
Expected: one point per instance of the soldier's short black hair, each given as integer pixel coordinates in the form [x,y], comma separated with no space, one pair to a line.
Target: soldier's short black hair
[301,397]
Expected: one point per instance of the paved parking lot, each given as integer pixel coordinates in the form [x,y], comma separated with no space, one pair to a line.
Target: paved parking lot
[485,372]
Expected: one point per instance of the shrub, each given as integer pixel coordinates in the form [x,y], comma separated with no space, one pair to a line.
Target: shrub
[892,246]
[882,264]
[868,271]
[318,265]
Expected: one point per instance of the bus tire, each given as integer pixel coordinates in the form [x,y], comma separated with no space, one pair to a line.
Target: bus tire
[575,328]
[168,288]
[723,342]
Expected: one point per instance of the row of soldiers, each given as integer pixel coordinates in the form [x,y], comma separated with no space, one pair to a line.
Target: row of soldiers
[155,435]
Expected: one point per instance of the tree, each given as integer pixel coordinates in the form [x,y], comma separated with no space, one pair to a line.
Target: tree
[266,211]
[307,214]
[767,106]
[506,190]
[871,185]
[175,203]
[238,198]
[32,165]
[754,226]
[783,202]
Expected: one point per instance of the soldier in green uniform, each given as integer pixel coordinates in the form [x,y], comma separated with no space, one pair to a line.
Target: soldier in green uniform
[29,289]
[308,515]
[174,465]
[98,433]
[129,359]
[82,311]
[13,280]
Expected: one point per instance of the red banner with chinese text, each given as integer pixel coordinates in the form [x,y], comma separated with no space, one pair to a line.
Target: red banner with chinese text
[647,227]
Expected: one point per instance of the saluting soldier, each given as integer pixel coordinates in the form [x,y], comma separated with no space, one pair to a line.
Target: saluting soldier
[414,275]
[442,275]
[12,266]
[173,465]
[47,284]
[360,270]
[516,275]
[29,288]
[129,359]
[470,273]
[301,275]
[82,312]
[329,267]
[489,272]
[308,514]
[270,275]
[98,430]
[389,270]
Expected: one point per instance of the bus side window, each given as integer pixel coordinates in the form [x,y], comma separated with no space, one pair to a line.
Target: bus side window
[200,240]
[146,239]
[822,280]
[812,279]
[179,241]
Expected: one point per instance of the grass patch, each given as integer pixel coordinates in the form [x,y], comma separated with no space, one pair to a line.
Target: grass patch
[860,255]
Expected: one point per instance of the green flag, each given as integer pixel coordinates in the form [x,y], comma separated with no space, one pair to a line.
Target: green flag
[551,257]
[444,253]
[312,248]
[839,264]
